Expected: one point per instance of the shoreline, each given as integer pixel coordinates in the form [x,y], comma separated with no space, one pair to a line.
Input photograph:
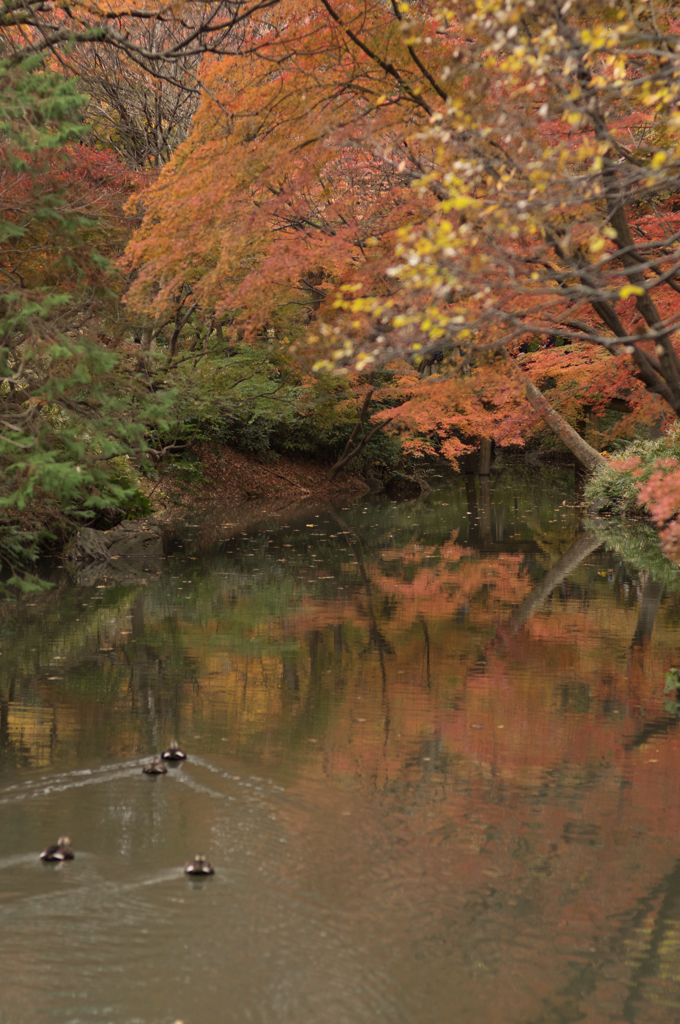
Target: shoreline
[235,485]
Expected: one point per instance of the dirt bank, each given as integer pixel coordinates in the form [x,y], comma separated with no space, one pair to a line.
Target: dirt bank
[241,487]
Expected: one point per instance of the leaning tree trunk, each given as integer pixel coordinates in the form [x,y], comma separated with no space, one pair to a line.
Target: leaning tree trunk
[583,546]
[585,453]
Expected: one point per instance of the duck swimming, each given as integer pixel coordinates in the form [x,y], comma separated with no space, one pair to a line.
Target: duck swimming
[61,850]
[155,767]
[200,865]
[173,753]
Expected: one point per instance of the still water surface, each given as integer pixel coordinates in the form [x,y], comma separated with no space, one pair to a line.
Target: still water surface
[430,759]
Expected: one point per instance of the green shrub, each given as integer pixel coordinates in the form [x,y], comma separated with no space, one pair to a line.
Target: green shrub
[254,401]
[615,489]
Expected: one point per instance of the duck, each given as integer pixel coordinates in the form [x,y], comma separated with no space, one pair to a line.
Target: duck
[200,865]
[62,850]
[155,767]
[173,753]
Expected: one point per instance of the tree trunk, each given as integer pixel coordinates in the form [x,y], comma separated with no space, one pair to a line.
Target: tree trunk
[485,457]
[355,444]
[485,508]
[649,606]
[585,453]
[580,549]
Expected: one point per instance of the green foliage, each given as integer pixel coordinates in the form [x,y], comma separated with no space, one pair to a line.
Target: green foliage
[310,439]
[39,110]
[615,488]
[74,425]
[238,400]
[257,402]
[638,543]
[612,490]
[671,686]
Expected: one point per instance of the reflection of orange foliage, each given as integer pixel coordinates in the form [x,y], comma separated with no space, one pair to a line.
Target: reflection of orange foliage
[516,800]
[499,779]
[444,593]
[419,657]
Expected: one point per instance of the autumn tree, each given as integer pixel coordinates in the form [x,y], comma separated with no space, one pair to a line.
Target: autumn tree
[561,215]
[298,171]
[559,181]
[140,113]
[390,180]
[138,65]
[28,27]
[423,178]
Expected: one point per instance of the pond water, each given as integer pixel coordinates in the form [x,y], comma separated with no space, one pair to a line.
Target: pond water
[429,756]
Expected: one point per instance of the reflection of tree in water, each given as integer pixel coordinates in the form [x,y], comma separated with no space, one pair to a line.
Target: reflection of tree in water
[651,938]
[287,663]
[429,777]
[641,958]
[487,520]
[377,598]
[103,682]
[583,546]
[650,601]
[15,751]
[159,671]
[652,942]
[376,638]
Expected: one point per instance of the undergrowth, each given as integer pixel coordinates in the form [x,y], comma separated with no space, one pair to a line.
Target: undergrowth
[615,487]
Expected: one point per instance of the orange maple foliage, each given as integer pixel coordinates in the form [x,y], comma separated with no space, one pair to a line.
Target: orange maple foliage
[412,179]
[298,169]
[393,179]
